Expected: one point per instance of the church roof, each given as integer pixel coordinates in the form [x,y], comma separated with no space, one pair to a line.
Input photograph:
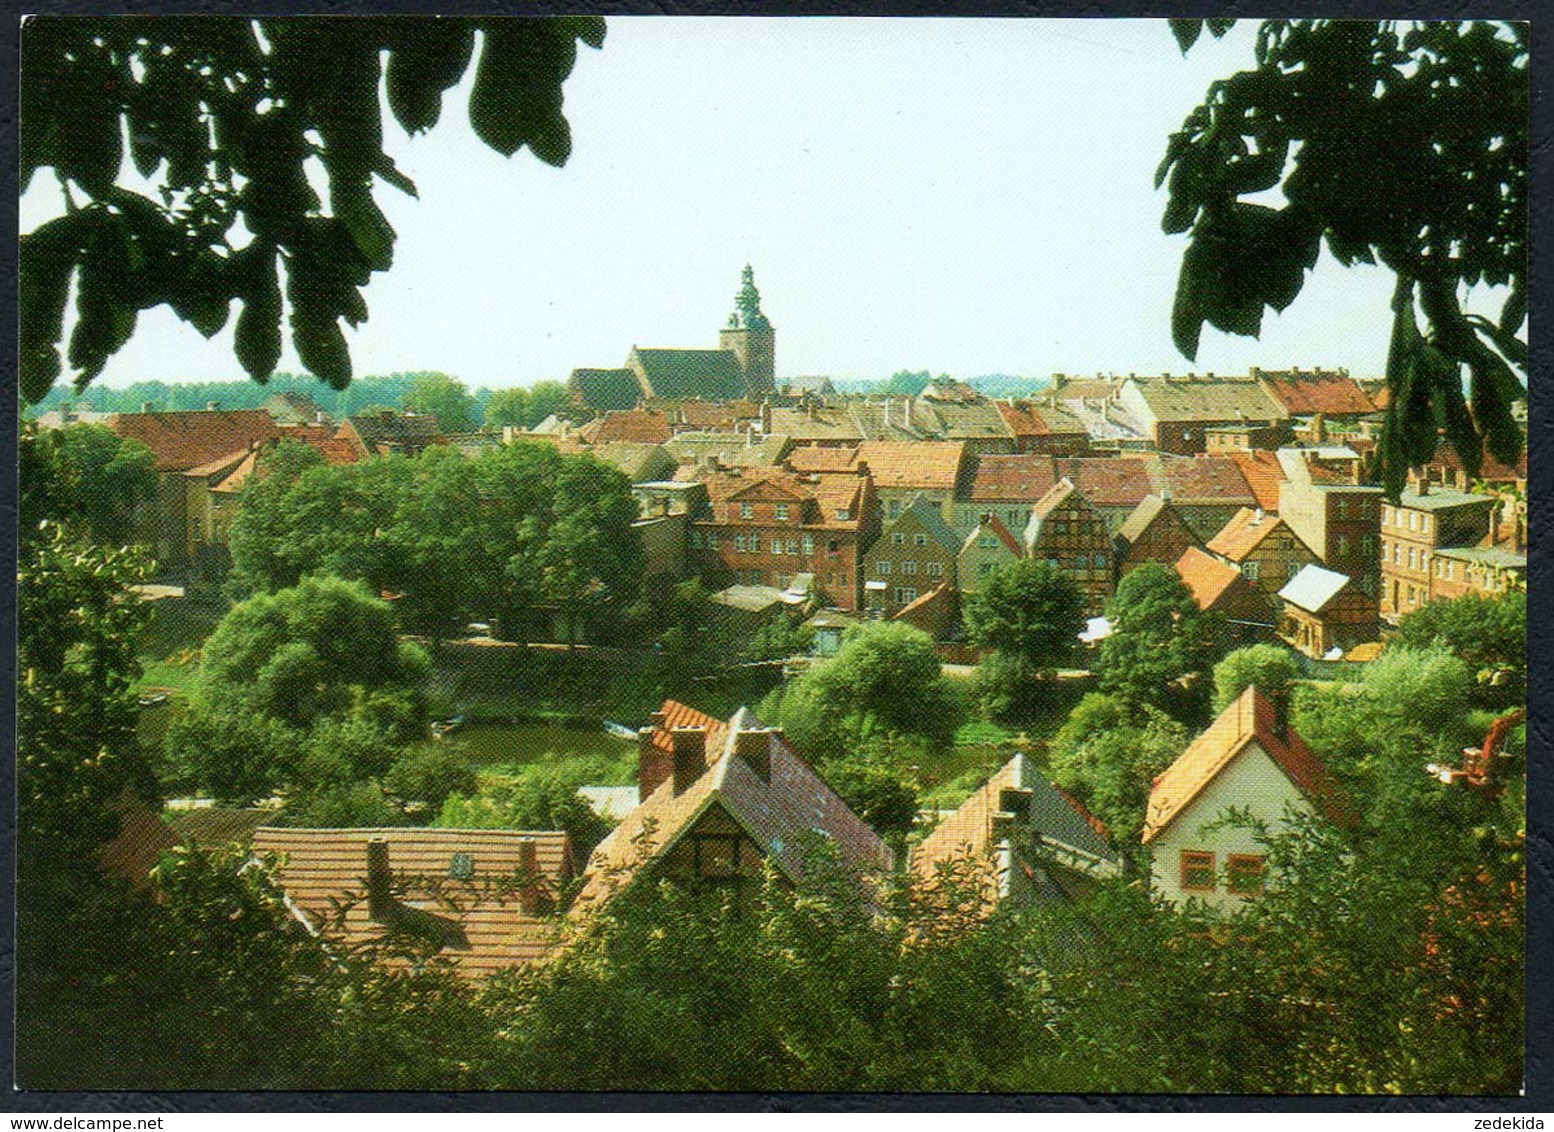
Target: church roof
[709,374]
[602,389]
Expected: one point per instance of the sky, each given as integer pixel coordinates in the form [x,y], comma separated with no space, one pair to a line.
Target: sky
[962,196]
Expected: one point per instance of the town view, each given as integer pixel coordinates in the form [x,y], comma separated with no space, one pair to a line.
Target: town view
[840,574]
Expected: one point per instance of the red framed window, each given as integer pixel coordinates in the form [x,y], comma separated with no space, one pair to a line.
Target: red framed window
[1197,870]
[1244,873]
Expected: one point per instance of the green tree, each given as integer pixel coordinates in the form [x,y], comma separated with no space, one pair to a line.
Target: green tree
[225,114]
[1486,632]
[315,650]
[1270,668]
[446,398]
[1107,754]
[1029,610]
[545,399]
[507,407]
[908,382]
[1159,635]
[426,776]
[85,476]
[237,758]
[1402,142]
[883,681]
[542,797]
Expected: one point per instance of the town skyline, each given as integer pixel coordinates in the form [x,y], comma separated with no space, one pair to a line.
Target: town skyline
[892,224]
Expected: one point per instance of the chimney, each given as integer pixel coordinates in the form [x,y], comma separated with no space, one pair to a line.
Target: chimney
[886,427]
[690,756]
[985,518]
[653,763]
[380,880]
[1257,517]
[766,416]
[145,407]
[212,406]
[318,417]
[754,745]
[530,896]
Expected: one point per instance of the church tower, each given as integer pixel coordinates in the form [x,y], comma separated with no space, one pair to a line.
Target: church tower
[751,338]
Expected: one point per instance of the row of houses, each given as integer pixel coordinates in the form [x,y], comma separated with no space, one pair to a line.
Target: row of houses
[727,803]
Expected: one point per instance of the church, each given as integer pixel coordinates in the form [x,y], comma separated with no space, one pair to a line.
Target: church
[743,365]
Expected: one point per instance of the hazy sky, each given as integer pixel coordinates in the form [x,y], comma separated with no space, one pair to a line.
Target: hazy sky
[965,196]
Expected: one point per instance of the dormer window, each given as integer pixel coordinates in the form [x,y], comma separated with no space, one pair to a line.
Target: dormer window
[746,511]
[844,514]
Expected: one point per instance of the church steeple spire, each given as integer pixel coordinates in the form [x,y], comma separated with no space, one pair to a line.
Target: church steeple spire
[747,305]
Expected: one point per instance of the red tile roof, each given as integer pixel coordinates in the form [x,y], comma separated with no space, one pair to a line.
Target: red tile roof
[995,524]
[1205,479]
[1332,394]
[638,426]
[1109,481]
[324,874]
[1245,533]
[181,441]
[813,458]
[1206,576]
[1011,479]
[1263,475]
[1023,418]
[928,464]
[1250,717]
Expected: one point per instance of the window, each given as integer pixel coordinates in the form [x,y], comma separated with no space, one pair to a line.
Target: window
[782,511]
[882,566]
[832,546]
[1413,558]
[1343,544]
[792,546]
[897,538]
[461,866]
[905,595]
[1451,571]
[987,542]
[1413,520]
[1342,508]
[984,569]
[1197,870]
[808,543]
[843,514]
[1243,873]
[893,508]
[1060,526]
[712,540]
[776,546]
[1251,570]
[746,511]
[919,540]
[739,542]
[935,569]
[697,540]
[783,580]
[909,566]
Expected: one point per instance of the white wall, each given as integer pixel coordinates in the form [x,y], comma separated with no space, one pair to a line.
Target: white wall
[1252,781]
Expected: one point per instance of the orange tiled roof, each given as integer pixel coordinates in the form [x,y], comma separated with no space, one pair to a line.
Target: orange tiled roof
[182,441]
[325,870]
[1245,533]
[1109,481]
[1206,576]
[928,464]
[813,458]
[1011,479]
[1023,418]
[1204,479]
[1263,475]
[922,611]
[778,814]
[638,426]
[1250,717]
[1332,394]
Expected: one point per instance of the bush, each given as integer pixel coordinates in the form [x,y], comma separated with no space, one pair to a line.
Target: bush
[356,805]
[237,759]
[1269,668]
[428,775]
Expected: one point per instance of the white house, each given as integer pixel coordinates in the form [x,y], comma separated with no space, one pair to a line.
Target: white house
[1248,760]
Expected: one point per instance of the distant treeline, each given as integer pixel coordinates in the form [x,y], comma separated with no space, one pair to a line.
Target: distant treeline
[386,390]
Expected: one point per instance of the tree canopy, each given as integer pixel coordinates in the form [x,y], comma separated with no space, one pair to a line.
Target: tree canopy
[84,476]
[1399,142]
[1027,609]
[1158,635]
[226,117]
[446,398]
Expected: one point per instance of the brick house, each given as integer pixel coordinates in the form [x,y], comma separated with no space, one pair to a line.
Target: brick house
[1154,532]
[1068,532]
[1486,571]
[1006,487]
[914,553]
[1411,533]
[1263,548]
[1335,515]
[903,471]
[1176,412]
[762,526]
[1248,760]
[985,549]
[1325,611]
[718,802]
